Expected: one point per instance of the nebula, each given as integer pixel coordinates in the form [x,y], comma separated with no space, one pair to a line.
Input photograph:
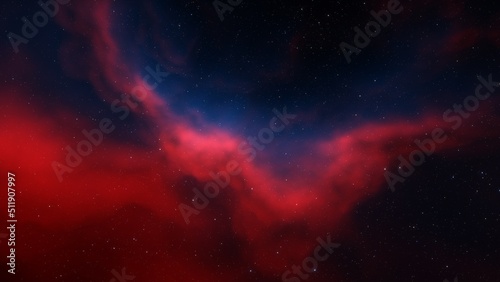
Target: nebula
[119,206]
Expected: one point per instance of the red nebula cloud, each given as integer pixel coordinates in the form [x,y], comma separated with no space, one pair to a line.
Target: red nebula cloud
[119,207]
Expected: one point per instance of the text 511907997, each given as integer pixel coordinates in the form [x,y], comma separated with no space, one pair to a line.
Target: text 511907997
[11,222]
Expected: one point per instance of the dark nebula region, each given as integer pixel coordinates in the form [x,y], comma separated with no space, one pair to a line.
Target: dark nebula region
[213,104]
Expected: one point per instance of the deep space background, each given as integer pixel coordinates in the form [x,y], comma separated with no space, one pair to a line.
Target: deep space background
[323,175]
